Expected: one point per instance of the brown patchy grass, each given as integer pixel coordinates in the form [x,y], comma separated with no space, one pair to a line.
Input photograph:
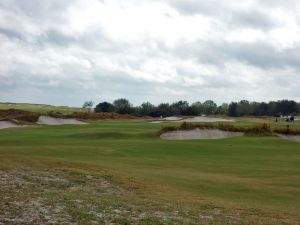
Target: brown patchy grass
[46,191]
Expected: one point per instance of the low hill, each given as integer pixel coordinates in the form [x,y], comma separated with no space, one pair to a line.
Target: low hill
[40,108]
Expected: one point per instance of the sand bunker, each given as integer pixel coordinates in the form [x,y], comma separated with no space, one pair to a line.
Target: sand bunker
[168,119]
[201,119]
[47,120]
[290,137]
[206,119]
[157,121]
[8,124]
[199,134]
[172,118]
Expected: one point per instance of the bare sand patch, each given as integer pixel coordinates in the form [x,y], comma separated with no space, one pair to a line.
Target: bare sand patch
[157,121]
[199,134]
[290,137]
[206,119]
[173,118]
[47,120]
[199,119]
[8,124]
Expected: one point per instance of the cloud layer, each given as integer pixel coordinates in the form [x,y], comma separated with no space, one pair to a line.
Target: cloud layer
[65,52]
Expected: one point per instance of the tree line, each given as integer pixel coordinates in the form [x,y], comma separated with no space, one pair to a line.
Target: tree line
[209,107]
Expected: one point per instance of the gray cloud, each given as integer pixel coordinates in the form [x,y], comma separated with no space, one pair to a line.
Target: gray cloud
[98,50]
[10,33]
[228,13]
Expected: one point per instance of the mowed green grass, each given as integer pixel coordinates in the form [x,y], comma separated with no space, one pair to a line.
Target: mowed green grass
[249,173]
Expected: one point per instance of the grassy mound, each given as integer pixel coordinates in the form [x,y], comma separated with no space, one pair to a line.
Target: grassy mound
[260,129]
[19,115]
[32,117]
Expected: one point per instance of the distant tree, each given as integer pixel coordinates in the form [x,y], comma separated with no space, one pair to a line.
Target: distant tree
[261,109]
[88,105]
[232,109]
[123,106]
[196,108]
[104,107]
[164,109]
[209,107]
[286,107]
[146,109]
[223,109]
[243,108]
[180,108]
[272,109]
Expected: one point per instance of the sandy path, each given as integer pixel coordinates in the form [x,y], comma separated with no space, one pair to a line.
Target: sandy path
[8,124]
[47,120]
[199,134]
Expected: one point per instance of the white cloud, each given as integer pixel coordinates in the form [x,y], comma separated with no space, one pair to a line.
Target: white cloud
[148,50]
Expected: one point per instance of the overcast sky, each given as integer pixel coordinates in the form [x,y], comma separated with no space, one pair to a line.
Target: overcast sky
[64,52]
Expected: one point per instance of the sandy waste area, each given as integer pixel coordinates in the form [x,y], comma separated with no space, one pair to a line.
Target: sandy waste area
[8,124]
[196,119]
[47,120]
[290,137]
[199,134]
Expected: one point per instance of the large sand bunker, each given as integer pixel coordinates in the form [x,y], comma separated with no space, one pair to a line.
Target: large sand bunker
[206,119]
[199,134]
[290,137]
[172,118]
[8,124]
[200,119]
[47,120]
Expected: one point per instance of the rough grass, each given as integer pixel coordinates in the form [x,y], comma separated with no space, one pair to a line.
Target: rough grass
[40,108]
[56,192]
[122,173]
[258,129]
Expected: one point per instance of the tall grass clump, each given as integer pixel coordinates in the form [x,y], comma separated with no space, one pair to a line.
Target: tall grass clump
[287,131]
[261,129]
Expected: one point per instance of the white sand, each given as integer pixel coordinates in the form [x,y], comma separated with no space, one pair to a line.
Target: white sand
[206,119]
[199,134]
[290,137]
[8,124]
[47,120]
[196,119]
[157,121]
[173,118]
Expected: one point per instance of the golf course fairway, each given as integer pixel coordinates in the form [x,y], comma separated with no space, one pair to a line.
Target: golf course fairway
[121,172]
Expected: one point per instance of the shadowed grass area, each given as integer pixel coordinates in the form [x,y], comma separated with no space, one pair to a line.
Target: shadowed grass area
[258,177]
